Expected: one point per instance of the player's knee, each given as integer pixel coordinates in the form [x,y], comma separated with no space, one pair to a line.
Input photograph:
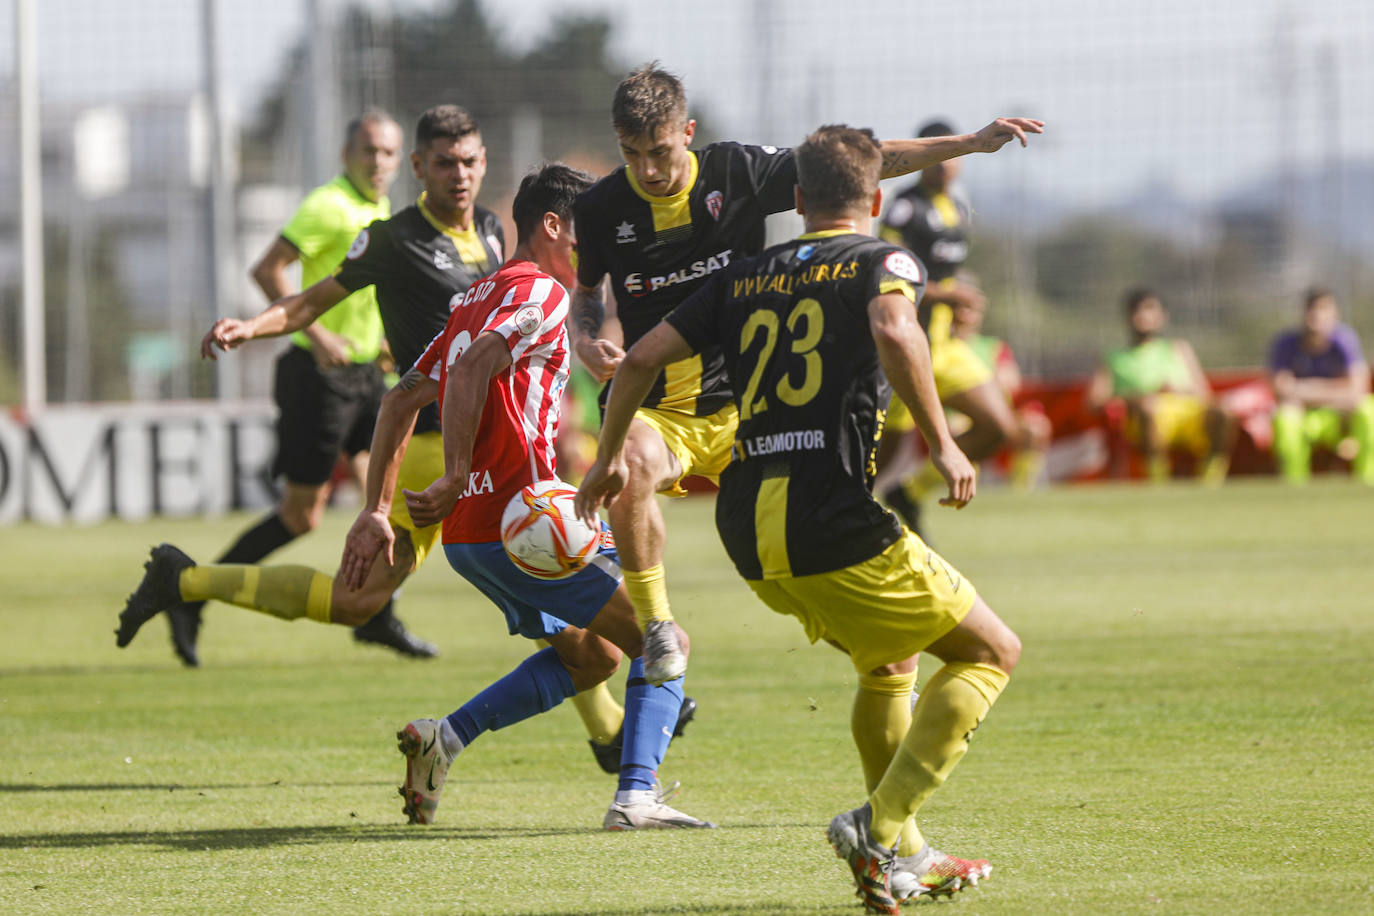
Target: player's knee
[300,519]
[591,661]
[1006,650]
[353,609]
[1004,427]
[645,469]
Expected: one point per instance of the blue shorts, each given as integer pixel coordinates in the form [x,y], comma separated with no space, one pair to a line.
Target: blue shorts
[537,608]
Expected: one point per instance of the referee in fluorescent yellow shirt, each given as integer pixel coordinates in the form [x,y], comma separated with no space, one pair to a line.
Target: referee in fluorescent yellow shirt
[328,384]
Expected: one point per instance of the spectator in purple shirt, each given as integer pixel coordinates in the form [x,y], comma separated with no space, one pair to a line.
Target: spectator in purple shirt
[1321,386]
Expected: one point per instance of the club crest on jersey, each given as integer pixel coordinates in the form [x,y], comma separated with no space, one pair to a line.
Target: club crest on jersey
[624,233]
[441,260]
[901,264]
[528,319]
[805,252]
[359,246]
[714,201]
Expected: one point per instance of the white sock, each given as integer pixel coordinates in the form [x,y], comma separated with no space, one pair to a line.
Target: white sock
[634,797]
[452,743]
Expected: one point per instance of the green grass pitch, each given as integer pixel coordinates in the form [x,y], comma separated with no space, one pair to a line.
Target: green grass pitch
[1191,730]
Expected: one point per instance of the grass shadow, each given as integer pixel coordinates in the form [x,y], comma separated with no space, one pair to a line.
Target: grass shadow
[20,787]
[702,909]
[263,837]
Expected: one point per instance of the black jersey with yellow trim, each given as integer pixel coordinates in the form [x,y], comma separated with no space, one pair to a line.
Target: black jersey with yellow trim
[934,226]
[418,265]
[658,250]
[793,327]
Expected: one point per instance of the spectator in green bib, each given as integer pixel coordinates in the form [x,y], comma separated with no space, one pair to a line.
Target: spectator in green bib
[1167,400]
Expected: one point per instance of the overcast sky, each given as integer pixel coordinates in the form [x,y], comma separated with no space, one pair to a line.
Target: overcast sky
[1195,97]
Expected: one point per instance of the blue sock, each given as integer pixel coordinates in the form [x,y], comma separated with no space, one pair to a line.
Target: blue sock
[537,684]
[650,717]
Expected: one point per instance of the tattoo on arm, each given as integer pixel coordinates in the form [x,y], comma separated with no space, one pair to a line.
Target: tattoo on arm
[588,312]
[897,163]
[410,380]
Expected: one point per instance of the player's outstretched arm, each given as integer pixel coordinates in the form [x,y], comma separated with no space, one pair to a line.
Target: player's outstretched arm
[465,396]
[586,315]
[905,357]
[633,382]
[281,317]
[371,534]
[901,157]
[269,273]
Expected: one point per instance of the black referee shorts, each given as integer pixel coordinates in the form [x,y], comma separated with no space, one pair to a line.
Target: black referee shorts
[321,414]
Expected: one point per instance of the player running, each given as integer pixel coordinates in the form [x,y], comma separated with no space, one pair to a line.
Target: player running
[327,384]
[812,331]
[498,370]
[659,227]
[420,261]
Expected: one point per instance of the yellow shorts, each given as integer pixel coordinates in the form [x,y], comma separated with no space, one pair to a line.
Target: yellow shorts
[956,369]
[882,610]
[1180,420]
[422,465]
[700,444]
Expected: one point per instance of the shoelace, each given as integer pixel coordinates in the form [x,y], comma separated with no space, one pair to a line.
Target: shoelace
[664,794]
[889,865]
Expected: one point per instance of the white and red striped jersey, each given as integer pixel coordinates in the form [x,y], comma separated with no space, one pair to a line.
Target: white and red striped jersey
[514,444]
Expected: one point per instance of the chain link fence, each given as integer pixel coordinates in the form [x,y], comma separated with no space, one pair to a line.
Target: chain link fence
[1215,152]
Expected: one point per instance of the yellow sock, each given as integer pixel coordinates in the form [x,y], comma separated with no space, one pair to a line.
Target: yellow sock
[601,715]
[648,591]
[1215,469]
[1026,466]
[952,705]
[287,592]
[879,721]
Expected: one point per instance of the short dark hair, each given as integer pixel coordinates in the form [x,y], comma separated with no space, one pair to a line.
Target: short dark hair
[838,168]
[936,128]
[1316,294]
[1137,296]
[444,121]
[550,189]
[646,100]
[369,116]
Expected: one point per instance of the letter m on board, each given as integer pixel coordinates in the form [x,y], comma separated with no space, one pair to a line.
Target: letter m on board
[102,448]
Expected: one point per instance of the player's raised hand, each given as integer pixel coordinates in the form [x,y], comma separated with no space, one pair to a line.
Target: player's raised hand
[226,334]
[600,486]
[432,504]
[600,356]
[959,474]
[993,137]
[370,536]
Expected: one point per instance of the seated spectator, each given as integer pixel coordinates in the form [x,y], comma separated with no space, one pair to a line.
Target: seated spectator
[1168,402]
[1033,430]
[1321,386]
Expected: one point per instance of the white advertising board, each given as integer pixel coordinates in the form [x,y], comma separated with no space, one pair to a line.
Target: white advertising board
[94,462]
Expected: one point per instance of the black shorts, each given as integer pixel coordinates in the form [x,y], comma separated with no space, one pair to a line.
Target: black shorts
[322,413]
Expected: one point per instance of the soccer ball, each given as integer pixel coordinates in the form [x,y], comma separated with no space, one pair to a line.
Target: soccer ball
[543,535]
